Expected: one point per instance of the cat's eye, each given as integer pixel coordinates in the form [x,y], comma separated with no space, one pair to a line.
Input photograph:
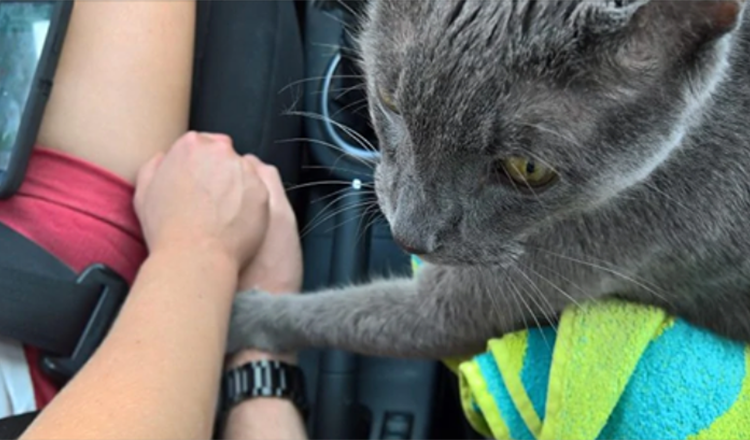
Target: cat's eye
[388,100]
[528,173]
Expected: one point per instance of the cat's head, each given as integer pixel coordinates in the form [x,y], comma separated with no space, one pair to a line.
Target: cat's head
[496,118]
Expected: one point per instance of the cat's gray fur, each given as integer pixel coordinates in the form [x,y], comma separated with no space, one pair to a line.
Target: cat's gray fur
[643,107]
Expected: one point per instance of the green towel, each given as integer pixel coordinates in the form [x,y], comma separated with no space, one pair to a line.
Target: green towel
[611,370]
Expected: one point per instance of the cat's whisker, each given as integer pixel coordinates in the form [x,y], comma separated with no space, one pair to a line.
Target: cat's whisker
[520,296]
[359,109]
[583,293]
[372,210]
[612,266]
[321,217]
[376,216]
[350,105]
[367,163]
[331,215]
[347,26]
[328,196]
[496,309]
[346,90]
[317,220]
[550,317]
[515,308]
[318,183]
[632,279]
[365,204]
[349,9]
[342,156]
[316,78]
[533,313]
[363,142]
[565,294]
[334,168]
[370,163]
[341,90]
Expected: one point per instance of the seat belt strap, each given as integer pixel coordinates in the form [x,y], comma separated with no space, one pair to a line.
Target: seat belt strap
[11,428]
[45,304]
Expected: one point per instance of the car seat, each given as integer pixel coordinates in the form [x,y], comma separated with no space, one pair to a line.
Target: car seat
[272,109]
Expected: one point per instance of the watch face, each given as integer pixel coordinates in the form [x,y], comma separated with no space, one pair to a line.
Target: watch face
[264,379]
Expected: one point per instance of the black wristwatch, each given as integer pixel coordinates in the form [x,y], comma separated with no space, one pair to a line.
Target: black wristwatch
[265,378]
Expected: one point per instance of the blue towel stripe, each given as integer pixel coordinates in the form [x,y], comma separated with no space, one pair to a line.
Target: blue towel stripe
[685,380]
[537,365]
[496,387]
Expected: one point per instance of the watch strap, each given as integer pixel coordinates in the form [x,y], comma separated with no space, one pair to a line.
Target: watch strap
[264,378]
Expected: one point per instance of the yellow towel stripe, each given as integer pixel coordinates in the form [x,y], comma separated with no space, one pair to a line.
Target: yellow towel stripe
[490,423]
[509,354]
[578,409]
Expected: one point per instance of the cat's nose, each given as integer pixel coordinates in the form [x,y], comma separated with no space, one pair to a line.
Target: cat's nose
[411,247]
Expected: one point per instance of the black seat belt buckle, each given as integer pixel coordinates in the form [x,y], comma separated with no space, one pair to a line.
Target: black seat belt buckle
[114,290]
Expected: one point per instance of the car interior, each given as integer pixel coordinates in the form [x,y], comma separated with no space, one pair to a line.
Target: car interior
[315,129]
[346,240]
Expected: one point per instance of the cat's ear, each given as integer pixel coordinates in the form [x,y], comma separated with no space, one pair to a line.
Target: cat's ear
[694,22]
[691,22]
[653,32]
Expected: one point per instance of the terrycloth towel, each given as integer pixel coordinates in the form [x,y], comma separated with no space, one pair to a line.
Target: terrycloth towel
[611,370]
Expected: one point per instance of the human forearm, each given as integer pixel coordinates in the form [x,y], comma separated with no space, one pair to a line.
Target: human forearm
[276,268]
[265,419]
[155,376]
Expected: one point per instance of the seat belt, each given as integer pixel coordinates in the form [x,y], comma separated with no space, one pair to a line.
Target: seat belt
[45,304]
[11,428]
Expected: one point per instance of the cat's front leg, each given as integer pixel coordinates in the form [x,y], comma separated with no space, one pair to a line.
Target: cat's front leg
[433,317]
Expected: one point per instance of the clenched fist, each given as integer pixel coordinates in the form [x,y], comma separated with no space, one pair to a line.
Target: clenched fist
[202,195]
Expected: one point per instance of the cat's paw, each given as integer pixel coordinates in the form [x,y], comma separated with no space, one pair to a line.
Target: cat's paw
[253,323]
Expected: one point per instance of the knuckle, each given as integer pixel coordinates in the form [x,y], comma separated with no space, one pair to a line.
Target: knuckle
[273,171]
[191,138]
[223,148]
[223,139]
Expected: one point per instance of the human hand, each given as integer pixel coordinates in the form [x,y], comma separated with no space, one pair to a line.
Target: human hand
[202,196]
[277,267]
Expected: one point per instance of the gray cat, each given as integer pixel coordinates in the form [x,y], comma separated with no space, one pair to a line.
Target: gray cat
[538,154]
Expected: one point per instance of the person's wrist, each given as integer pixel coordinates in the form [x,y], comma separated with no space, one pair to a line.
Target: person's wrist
[199,248]
[265,418]
[249,411]
[275,281]
[272,407]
